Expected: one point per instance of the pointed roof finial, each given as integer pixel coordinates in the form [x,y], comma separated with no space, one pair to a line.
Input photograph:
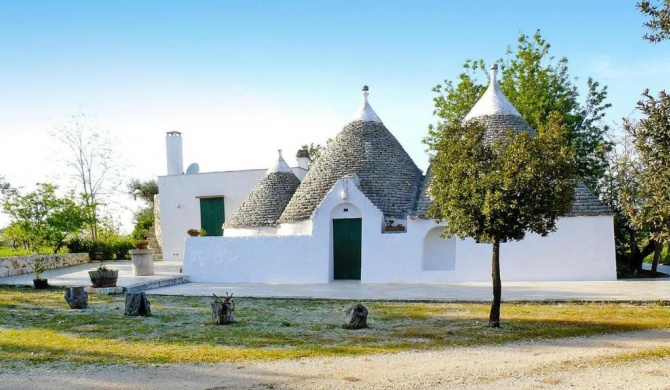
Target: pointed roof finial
[365,112]
[280,165]
[493,102]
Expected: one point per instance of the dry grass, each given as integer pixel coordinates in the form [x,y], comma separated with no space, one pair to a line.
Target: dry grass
[38,327]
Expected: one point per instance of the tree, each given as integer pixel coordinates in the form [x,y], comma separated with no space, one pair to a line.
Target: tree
[620,191]
[659,22]
[92,162]
[144,218]
[497,191]
[315,150]
[537,84]
[651,136]
[41,218]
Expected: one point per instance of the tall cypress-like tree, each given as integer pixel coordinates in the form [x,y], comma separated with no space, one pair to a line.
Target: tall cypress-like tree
[497,191]
[537,84]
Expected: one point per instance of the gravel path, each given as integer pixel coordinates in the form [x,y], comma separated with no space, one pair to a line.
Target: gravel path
[575,363]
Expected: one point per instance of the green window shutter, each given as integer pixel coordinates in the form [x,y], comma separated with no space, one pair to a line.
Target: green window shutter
[212,216]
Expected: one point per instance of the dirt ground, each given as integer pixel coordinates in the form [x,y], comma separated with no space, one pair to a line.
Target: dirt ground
[575,363]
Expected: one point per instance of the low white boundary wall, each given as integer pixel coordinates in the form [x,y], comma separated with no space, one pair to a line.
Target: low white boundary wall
[581,249]
[19,265]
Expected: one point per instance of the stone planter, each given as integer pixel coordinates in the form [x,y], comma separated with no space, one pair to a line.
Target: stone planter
[143,262]
[104,278]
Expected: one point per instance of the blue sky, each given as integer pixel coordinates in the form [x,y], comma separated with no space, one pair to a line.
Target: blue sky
[241,79]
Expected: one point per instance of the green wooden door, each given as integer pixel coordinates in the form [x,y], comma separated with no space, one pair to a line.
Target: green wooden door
[212,216]
[347,248]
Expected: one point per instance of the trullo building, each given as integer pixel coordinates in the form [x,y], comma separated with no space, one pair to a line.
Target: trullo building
[360,213]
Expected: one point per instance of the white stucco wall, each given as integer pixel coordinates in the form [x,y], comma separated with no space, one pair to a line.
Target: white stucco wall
[180,203]
[581,249]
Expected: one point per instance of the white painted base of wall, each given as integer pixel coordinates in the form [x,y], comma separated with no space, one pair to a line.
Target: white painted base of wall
[581,249]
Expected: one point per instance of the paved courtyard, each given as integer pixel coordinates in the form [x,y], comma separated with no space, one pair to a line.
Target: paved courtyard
[620,290]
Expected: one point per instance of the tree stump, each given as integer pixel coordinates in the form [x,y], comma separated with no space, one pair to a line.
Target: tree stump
[357,317]
[76,297]
[137,304]
[223,310]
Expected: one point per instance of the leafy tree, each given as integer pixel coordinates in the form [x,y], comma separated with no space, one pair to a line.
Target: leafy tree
[91,160]
[315,150]
[659,22]
[144,218]
[145,190]
[652,141]
[41,218]
[537,84]
[490,190]
[620,192]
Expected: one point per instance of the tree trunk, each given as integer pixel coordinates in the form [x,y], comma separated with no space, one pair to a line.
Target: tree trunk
[658,247]
[76,297]
[494,316]
[137,304]
[222,313]
[357,317]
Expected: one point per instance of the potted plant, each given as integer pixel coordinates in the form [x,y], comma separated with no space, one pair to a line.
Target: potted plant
[103,277]
[38,268]
[196,232]
[141,244]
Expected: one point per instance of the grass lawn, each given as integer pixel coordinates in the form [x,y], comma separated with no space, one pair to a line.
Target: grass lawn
[37,327]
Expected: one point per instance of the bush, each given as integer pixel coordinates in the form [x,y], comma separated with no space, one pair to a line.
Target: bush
[113,248]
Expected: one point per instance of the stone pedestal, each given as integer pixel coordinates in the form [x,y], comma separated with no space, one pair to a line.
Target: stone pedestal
[143,261]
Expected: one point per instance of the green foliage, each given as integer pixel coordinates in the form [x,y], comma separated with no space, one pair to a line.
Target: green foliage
[503,189]
[145,190]
[11,252]
[659,20]
[113,248]
[315,150]
[651,136]
[537,84]
[41,218]
[497,190]
[144,220]
[144,217]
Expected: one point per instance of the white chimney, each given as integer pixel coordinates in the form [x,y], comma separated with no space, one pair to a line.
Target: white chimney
[175,160]
[303,159]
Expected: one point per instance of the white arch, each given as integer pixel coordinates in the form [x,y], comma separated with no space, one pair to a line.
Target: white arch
[439,254]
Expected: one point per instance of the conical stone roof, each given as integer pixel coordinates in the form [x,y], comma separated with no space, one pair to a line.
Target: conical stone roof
[265,203]
[496,113]
[365,147]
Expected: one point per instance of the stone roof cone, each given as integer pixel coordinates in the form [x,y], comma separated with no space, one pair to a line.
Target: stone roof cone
[364,147]
[266,202]
[495,112]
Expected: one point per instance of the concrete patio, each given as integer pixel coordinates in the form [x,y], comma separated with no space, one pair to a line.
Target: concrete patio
[169,273]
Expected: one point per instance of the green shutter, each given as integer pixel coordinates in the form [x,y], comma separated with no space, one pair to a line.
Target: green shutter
[347,248]
[212,216]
